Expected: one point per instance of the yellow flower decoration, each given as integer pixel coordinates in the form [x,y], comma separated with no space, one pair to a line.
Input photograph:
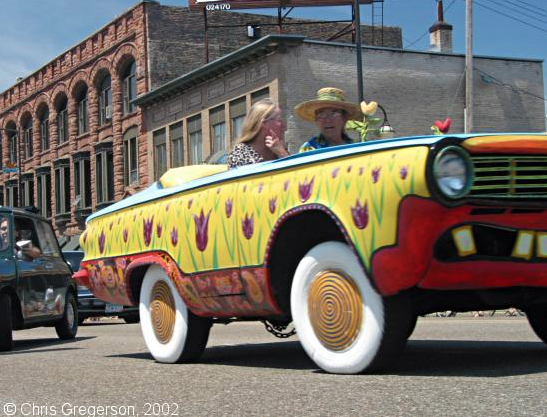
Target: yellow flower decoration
[370,108]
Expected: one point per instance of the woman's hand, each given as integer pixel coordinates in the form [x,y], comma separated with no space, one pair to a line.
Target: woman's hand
[275,144]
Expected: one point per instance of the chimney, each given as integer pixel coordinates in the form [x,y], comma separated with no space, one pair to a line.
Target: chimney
[440,34]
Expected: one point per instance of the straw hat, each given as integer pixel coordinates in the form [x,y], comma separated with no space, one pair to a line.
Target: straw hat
[328,97]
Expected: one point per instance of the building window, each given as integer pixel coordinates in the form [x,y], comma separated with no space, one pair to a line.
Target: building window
[12,196]
[27,190]
[27,139]
[44,192]
[130,157]
[260,95]
[105,101]
[44,131]
[129,86]
[177,148]
[218,129]
[82,181]
[12,151]
[238,111]
[104,174]
[62,121]
[160,153]
[82,112]
[194,137]
[62,187]
[1,195]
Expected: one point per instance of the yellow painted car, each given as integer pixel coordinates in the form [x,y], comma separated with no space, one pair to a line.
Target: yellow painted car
[350,243]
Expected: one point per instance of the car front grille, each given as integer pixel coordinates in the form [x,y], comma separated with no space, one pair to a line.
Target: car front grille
[509,177]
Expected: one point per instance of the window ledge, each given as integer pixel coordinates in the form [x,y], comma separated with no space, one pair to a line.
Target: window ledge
[62,218]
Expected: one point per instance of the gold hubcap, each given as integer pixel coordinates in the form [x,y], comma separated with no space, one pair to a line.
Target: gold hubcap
[162,312]
[335,309]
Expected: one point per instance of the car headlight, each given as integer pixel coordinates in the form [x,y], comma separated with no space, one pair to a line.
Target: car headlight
[453,172]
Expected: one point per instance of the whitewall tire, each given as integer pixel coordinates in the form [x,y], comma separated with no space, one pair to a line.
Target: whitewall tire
[343,324]
[171,332]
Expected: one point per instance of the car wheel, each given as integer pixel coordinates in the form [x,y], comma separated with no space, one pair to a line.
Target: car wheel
[131,319]
[537,317]
[344,325]
[171,332]
[6,324]
[67,327]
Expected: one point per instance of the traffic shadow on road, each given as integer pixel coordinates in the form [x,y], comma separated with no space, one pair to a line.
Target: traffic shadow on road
[420,358]
[279,355]
[37,345]
[471,358]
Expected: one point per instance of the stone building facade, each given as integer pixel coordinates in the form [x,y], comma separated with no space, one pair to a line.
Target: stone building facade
[71,129]
[415,88]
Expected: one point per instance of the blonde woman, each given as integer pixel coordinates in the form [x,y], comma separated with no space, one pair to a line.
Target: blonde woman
[262,136]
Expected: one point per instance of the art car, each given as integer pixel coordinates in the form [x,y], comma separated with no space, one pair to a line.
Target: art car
[350,243]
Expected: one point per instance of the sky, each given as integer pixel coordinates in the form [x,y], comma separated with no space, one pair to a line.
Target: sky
[36,31]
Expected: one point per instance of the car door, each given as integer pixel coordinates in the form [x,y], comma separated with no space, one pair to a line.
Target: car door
[43,278]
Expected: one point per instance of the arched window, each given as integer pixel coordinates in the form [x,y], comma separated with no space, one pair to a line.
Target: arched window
[82,111]
[105,101]
[129,86]
[62,121]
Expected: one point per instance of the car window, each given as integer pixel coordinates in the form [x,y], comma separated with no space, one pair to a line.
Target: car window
[26,231]
[48,242]
[4,232]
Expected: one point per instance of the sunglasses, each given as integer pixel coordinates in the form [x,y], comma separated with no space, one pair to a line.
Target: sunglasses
[328,114]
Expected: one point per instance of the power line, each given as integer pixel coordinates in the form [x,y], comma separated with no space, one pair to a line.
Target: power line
[518,11]
[535,8]
[490,79]
[510,17]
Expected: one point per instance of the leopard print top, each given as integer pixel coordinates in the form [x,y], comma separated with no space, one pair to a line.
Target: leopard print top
[243,154]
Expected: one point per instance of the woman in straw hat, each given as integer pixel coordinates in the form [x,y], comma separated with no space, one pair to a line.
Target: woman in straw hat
[330,111]
[262,135]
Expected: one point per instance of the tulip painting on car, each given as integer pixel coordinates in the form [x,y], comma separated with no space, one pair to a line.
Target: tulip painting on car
[349,243]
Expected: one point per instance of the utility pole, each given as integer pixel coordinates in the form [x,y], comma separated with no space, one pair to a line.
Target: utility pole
[357,23]
[468,66]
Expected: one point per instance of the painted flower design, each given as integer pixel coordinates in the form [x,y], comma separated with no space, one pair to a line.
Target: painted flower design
[202,223]
[403,172]
[102,240]
[273,204]
[361,171]
[158,230]
[260,187]
[360,214]
[305,190]
[248,226]
[190,201]
[111,225]
[286,185]
[228,206]
[147,230]
[174,237]
[167,206]
[376,174]
[349,168]
[125,235]
[334,172]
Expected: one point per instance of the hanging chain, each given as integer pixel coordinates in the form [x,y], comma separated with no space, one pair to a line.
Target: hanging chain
[278,330]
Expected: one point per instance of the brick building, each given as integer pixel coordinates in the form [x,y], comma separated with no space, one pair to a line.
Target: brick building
[71,126]
[199,113]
